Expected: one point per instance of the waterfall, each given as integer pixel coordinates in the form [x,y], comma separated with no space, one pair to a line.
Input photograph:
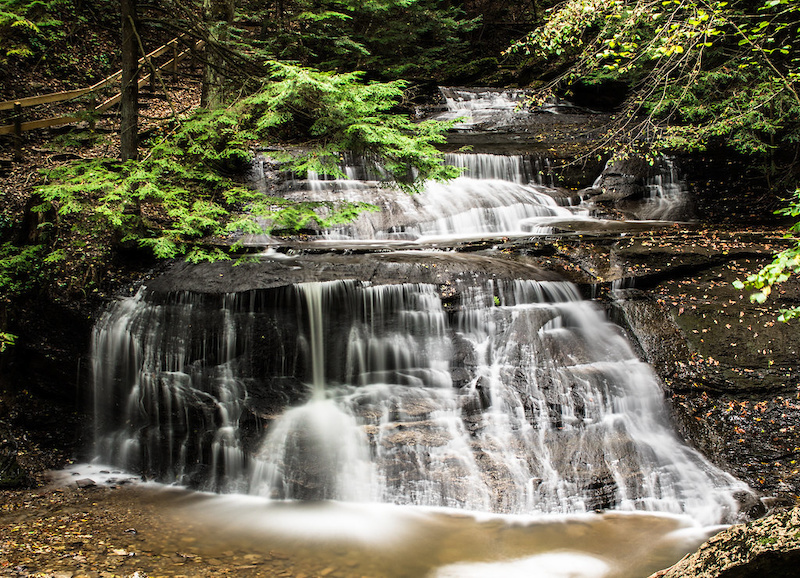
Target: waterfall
[514,396]
[496,195]
[480,108]
[314,297]
[464,99]
[432,412]
[520,169]
[666,195]
[178,395]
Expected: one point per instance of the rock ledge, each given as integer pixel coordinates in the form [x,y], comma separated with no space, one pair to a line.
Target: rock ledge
[767,547]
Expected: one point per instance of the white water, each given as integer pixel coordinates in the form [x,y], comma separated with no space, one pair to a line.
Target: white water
[146,371]
[666,193]
[520,169]
[522,400]
[497,195]
[478,109]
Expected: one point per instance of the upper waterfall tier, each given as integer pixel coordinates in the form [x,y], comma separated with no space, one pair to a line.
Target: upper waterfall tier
[496,109]
[508,396]
[496,195]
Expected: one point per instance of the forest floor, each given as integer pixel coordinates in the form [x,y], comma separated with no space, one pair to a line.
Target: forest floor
[105,532]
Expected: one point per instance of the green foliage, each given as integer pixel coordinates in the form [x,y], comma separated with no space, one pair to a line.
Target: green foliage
[568,29]
[184,191]
[783,266]
[337,113]
[395,38]
[25,25]
[6,340]
[21,268]
[700,72]
[167,203]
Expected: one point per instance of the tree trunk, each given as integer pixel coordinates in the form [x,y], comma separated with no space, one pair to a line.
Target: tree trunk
[218,15]
[129,103]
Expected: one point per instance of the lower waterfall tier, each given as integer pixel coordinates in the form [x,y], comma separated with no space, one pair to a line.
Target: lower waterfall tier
[507,396]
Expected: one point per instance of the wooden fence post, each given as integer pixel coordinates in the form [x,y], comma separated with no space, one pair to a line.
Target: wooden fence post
[175,61]
[18,132]
[92,112]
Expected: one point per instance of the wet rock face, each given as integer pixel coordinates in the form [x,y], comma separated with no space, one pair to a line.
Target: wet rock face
[624,179]
[659,338]
[767,547]
[729,367]
[445,270]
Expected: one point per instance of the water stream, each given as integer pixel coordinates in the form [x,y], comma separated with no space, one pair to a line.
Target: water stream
[324,406]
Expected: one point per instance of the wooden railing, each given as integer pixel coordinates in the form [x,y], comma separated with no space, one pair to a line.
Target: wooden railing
[19,125]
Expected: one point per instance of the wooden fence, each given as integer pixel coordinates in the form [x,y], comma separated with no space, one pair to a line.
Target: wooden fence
[19,125]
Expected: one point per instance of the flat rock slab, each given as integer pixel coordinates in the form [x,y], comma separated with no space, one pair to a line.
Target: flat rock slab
[379,268]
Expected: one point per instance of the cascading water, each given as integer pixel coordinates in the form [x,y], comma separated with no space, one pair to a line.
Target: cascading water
[179,393]
[520,169]
[479,108]
[496,195]
[663,195]
[482,109]
[461,384]
[520,398]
